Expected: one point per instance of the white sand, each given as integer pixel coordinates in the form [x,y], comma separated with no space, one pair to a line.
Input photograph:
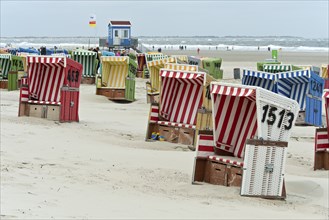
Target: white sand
[102,168]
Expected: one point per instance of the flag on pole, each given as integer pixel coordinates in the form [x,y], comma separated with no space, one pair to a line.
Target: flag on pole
[92,21]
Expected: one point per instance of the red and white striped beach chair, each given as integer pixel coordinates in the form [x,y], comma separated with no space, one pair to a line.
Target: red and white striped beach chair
[52,88]
[240,114]
[181,96]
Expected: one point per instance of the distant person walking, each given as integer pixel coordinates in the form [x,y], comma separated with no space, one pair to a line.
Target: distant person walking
[258,47]
[269,48]
[198,50]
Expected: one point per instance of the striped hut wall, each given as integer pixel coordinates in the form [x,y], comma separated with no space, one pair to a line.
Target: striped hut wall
[234,117]
[294,85]
[46,77]
[181,67]
[181,96]
[260,79]
[321,140]
[5,64]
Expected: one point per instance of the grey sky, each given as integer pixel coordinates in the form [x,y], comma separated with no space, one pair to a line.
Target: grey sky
[173,18]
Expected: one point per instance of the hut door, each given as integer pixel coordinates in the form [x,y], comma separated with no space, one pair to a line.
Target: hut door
[130,89]
[69,104]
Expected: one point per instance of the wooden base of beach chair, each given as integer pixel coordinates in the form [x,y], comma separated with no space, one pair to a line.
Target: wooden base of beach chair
[152,98]
[111,94]
[224,174]
[4,84]
[217,173]
[23,109]
[88,80]
[50,112]
[186,136]
[321,160]
[170,134]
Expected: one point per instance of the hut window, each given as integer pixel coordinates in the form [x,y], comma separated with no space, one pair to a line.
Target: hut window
[116,33]
[125,33]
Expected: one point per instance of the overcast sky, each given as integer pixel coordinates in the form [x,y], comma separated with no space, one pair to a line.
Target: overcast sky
[167,18]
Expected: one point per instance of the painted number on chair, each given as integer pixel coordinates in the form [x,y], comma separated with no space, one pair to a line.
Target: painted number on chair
[272,115]
[73,76]
[316,87]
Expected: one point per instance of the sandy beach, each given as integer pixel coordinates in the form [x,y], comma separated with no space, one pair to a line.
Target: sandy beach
[102,167]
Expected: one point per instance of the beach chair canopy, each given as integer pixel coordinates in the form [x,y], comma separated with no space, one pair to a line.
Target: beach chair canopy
[181,67]
[297,84]
[5,65]
[193,60]
[276,68]
[261,79]
[181,95]
[114,71]
[47,75]
[245,112]
[181,57]
[154,56]
[154,69]
[88,59]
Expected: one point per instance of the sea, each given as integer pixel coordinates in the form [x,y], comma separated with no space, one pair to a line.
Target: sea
[239,43]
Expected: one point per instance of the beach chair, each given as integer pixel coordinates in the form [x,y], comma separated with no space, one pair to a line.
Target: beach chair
[306,88]
[213,66]
[241,113]
[51,89]
[153,86]
[261,79]
[175,116]
[5,65]
[141,62]
[116,81]
[89,61]
[10,65]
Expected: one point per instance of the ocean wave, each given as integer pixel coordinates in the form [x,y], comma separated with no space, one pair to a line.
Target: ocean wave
[237,47]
